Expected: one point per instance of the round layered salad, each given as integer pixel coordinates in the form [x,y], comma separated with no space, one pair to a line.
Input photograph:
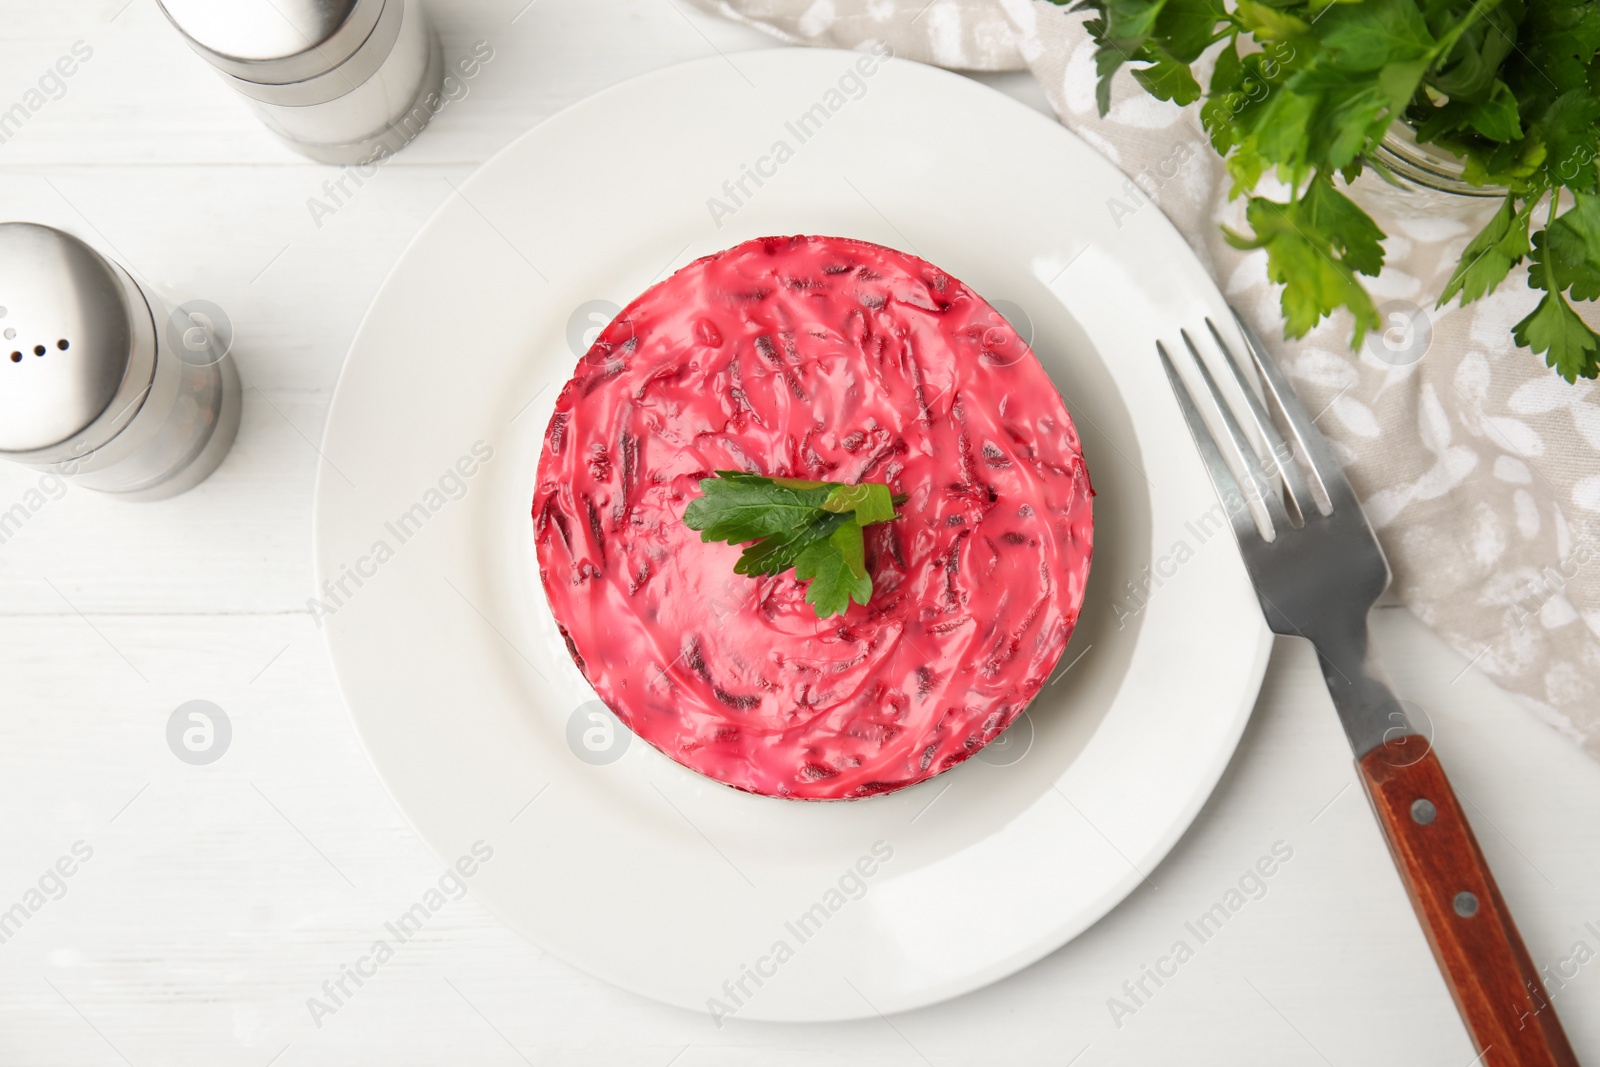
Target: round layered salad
[759,381]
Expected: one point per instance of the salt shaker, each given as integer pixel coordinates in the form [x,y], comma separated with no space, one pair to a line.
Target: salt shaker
[96,383]
[342,81]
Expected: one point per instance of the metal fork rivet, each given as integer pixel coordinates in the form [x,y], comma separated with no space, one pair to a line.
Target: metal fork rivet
[1466,904]
[1422,811]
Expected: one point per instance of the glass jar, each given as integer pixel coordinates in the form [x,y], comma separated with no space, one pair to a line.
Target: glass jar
[1422,179]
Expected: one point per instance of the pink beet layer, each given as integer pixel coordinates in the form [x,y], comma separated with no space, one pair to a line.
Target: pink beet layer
[836,360]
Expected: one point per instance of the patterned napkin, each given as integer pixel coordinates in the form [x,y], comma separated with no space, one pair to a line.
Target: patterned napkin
[1478,466]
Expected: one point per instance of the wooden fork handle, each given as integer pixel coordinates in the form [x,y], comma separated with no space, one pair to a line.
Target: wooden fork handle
[1490,974]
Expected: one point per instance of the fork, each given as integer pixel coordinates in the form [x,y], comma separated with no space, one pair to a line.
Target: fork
[1317,570]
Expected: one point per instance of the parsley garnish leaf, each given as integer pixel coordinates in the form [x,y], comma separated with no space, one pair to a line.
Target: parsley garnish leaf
[869,501]
[813,527]
[837,571]
[740,507]
[777,553]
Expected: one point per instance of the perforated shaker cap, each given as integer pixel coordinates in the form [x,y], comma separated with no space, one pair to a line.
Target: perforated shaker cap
[275,42]
[71,340]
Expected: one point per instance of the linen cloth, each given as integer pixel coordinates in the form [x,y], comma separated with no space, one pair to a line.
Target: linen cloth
[1477,465]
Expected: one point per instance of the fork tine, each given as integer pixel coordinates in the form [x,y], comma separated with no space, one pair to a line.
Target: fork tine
[1262,489]
[1326,473]
[1282,462]
[1221,475]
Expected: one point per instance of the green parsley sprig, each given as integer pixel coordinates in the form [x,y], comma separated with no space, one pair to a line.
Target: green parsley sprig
[813,527]
[1510,86]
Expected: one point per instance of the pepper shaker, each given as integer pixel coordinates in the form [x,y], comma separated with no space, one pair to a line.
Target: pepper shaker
[93,385]
[342,81]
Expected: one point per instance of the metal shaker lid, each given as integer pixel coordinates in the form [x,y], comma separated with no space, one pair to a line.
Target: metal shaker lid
[75,332]
[274,42]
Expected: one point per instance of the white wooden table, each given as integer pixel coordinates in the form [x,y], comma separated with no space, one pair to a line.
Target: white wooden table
[217,899]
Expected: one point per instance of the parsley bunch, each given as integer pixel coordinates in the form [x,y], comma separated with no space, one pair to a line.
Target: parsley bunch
[814,527]
[1509,86]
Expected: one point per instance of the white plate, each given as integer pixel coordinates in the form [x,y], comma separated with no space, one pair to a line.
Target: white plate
[639,870]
